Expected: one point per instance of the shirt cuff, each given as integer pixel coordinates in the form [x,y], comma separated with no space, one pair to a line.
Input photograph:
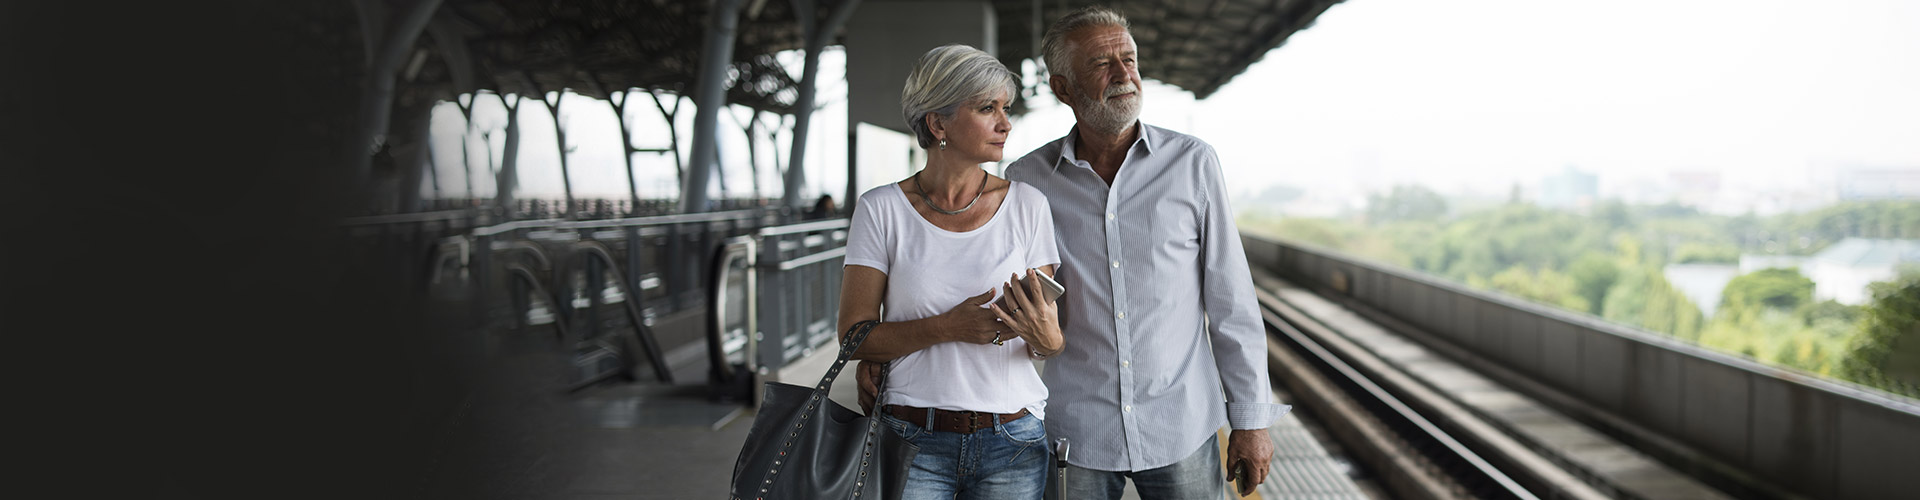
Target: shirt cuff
[1247,416]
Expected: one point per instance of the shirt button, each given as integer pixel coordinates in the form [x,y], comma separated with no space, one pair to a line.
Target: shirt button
[1109,215]
[1126,363]
[1116,263]
[1128,409]
[1122,315]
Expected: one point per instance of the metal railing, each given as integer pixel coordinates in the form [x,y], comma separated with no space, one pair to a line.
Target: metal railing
[800,271]
[656,257]
[790,303]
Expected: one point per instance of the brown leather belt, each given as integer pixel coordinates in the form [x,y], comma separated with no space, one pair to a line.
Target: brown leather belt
[964,422]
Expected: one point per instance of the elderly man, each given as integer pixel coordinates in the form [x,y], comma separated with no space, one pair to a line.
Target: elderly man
[1159,317]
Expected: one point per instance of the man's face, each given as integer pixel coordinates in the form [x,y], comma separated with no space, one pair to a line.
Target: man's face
[1105,91]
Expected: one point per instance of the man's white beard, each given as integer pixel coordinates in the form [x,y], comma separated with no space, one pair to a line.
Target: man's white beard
[1100,116]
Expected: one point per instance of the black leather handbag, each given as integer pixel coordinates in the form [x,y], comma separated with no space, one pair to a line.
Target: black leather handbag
[803,445]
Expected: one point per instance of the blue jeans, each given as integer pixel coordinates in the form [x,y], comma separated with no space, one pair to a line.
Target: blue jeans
[1197,477]
[1010,460]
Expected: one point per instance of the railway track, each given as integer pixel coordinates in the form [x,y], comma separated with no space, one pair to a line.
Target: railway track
[1417,439]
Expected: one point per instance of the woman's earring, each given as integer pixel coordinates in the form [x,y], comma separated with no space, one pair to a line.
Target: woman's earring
[943,144]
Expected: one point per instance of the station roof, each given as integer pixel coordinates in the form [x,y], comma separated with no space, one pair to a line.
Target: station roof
[596,46]
[1197,45]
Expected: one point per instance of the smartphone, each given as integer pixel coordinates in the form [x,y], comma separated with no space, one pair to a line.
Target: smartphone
[1053,290]
[1241,482]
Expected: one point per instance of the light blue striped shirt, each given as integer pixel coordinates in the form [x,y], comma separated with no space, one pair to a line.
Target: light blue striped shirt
[1146,263]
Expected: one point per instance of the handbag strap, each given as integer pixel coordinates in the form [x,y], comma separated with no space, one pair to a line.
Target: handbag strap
[855,336]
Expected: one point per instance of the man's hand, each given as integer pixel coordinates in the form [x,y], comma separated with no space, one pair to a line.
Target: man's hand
[866,372]
[1253,446]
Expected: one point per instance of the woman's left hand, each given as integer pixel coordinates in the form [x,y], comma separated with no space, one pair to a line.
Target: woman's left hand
[1024,310]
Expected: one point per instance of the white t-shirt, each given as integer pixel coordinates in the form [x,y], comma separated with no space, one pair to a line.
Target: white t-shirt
[929,270]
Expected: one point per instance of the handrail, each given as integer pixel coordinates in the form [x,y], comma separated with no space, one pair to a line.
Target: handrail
[656,220]
[561,329]
[510,226]
[653,220]
[538,253]
[738,247]
[440,256]
[803,227]
[369,220]
[595,250]
[795,263]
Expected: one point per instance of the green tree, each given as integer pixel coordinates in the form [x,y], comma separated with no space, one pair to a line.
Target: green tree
[1543,286]
[1830,311]
[1886,351]
[1322,232]
[1697,253]
[1486,243]
[1613,214]
[1665,238]
[1779,338]
[1809,232]
[1643,298]
[1593,273]
[1779,289]
[1769,316]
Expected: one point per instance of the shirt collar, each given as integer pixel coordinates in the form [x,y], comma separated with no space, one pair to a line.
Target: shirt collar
[1067,144]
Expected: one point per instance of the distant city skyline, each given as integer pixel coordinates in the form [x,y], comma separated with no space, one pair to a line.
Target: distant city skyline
[1463,97]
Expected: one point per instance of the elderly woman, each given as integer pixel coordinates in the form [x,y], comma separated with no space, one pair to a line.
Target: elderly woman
[951,253]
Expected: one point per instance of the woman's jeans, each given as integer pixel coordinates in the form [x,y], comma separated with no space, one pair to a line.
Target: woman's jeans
[1009,461]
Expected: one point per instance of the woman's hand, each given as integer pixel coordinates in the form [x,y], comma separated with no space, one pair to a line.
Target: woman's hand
[973,323]
[1025,310]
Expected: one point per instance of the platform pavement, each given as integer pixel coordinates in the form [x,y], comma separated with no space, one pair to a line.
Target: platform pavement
[525,438]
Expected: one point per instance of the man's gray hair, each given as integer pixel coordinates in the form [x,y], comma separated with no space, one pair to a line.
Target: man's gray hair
[945,78]
[1054,44]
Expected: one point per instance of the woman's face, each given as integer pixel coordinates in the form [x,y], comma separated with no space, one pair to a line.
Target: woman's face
[977,133]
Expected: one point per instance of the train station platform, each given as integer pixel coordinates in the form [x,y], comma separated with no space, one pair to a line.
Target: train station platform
[526,440]
[1416,378]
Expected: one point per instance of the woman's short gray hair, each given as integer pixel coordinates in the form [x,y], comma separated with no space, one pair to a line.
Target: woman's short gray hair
[1053,45]
[945,78]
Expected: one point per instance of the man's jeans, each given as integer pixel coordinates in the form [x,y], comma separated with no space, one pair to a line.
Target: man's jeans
[1009,461]
[1197,477]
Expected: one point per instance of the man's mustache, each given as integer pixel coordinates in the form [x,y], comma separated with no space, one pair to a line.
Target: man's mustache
[1123,89]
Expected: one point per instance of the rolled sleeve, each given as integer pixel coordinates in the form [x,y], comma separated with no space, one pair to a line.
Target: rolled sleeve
[1248,416]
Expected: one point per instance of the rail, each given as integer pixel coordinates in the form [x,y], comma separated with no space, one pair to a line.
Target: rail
[414,217]
[1430,447]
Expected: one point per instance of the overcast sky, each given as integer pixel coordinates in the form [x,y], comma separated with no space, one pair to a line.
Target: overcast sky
[1461,95]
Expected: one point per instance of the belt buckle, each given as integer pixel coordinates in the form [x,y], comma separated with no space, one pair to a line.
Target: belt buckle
[973,421]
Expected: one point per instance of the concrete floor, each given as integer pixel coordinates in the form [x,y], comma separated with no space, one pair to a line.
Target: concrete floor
[522,436]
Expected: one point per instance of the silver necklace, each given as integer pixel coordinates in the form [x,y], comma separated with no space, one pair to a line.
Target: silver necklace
[922,187]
